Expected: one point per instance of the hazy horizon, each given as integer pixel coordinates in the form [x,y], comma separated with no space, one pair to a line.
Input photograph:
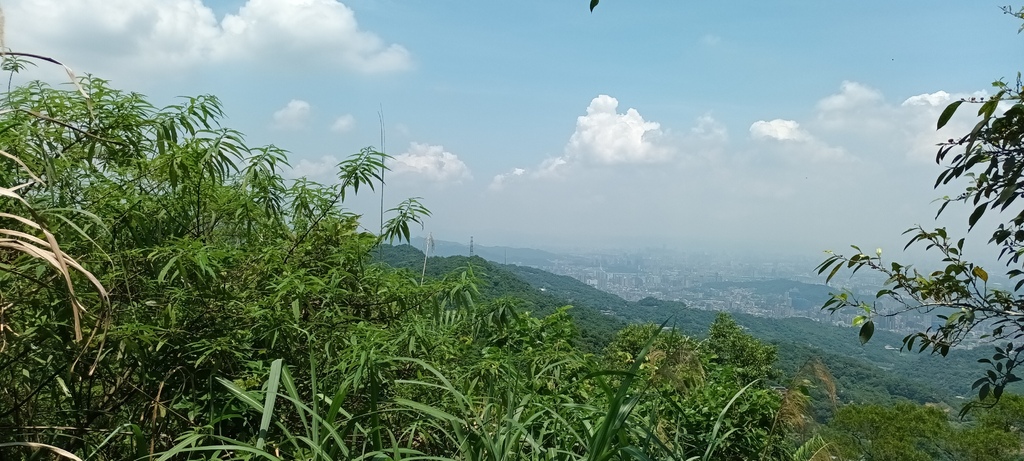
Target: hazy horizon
[788,127]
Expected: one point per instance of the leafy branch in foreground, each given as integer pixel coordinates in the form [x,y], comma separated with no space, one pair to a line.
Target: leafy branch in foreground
[990,157]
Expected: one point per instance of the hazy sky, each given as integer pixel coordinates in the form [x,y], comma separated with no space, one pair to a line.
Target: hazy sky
[788,125]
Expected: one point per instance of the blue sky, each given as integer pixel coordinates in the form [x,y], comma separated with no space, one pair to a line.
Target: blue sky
[785,125]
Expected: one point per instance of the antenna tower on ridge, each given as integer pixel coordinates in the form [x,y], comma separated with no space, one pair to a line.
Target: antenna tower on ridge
[470,246]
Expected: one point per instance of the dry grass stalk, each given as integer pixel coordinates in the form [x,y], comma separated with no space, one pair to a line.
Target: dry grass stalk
[46,248]
[795,406]
[794,410]
[4,328]
[34,239]
[42,446]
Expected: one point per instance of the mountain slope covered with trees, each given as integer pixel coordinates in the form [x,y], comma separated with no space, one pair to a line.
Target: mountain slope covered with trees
[865,373]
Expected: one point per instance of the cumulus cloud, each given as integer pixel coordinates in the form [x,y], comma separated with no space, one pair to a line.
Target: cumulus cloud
[797,142]
[604,136]
[293,116]
[343,124]
[852,95]
[778,129]
[175,35]
[787,177]
[707,128]
[918,115]
[935,99]
[870,126]
[321,170]
[429,162]
[500,179]
[856,111]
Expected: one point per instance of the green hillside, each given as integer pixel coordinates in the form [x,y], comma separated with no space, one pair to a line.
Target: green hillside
[596,330]
[868,373]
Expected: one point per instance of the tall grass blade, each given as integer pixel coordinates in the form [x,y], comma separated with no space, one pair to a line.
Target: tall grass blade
[268,406]
[715,439]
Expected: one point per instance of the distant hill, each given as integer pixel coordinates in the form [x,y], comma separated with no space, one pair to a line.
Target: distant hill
[497,254]
[876,372]
[496,281]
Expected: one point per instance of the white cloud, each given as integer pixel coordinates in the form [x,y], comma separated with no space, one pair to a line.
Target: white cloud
[293,116]
[707,128]
[919,114]
[778,129]
[499,180]
[550,167]
[175,35]
[796,142]
[429,162]
[604,136]
[852,95]
[937,98]
[321,170]
[343,124]
[789,178]
[871,127]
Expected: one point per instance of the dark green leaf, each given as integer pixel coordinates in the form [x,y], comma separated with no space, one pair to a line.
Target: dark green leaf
[976,215]
[866,331]
[946,114]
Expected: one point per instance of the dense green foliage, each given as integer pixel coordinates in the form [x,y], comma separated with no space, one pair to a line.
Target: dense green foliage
[908,432]
[499,281]
[223,311]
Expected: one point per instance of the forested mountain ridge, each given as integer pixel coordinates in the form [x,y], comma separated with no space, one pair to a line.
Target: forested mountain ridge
[596,330]
[864,373]
[877,371]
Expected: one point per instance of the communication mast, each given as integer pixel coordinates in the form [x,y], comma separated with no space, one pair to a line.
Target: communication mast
[470,246]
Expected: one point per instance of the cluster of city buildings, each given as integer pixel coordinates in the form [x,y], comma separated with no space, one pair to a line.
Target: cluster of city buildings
[767,287]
